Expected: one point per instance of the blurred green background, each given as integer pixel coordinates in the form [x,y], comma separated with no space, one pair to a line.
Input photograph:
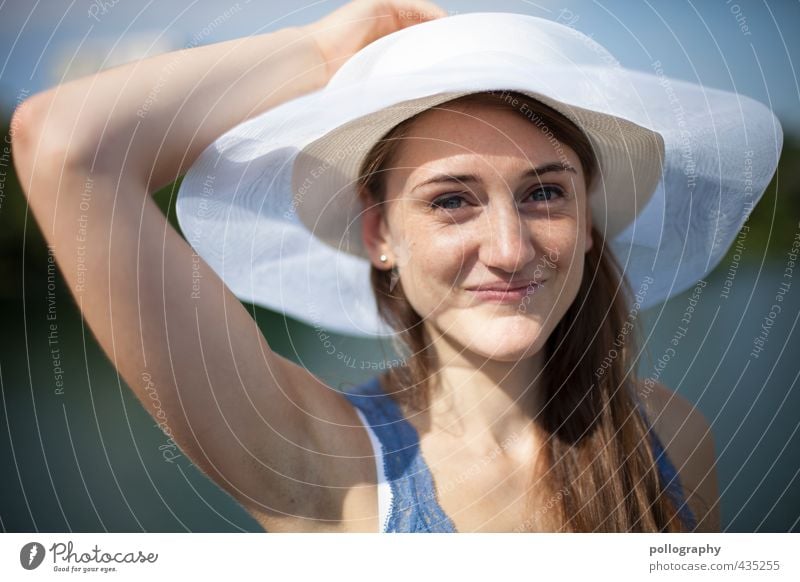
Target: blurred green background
[90,459]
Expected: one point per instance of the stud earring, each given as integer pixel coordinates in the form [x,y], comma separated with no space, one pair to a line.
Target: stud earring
[384,258]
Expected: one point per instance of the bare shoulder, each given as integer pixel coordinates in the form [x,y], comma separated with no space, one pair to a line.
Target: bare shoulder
[689,443]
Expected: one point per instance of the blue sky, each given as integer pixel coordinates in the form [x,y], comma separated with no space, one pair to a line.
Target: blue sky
[746,45]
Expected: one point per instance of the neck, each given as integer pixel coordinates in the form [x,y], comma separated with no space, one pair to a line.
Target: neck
[491,401]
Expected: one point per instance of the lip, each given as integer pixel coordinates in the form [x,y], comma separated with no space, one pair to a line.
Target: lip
[509,293]
[504,286]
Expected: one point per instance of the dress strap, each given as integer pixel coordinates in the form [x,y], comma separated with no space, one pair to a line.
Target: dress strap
[414,507]
[670,480]
[384,489]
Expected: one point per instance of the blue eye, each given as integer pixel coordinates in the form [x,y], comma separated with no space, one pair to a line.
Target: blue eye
[443,202]
[559,192]
[453,202]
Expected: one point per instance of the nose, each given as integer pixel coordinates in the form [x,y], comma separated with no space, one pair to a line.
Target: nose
[506,243]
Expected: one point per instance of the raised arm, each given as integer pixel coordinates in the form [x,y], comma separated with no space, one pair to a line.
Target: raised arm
[90,152]
[149,120]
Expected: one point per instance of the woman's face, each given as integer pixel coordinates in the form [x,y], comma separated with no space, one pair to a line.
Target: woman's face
[465,209]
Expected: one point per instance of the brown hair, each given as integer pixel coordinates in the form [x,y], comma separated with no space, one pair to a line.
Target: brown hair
[600,472]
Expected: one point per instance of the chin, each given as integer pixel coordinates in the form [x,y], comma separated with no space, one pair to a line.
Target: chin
[504,339]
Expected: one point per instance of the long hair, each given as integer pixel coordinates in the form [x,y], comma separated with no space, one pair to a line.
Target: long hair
[599,471]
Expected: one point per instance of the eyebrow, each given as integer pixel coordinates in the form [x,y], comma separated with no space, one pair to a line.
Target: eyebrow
[472,178]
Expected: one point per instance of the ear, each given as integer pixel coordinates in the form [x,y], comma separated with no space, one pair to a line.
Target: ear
[375,235]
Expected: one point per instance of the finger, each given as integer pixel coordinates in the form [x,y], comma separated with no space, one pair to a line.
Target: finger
[416,11]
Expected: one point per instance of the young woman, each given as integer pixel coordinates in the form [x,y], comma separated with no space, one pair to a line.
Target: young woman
[508,413]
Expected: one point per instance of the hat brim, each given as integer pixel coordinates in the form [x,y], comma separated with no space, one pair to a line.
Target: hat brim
[326,171]
[270,205]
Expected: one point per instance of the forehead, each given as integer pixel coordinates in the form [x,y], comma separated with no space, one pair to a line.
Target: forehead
[464,131]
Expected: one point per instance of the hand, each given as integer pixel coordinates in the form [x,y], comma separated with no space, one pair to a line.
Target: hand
[345,31]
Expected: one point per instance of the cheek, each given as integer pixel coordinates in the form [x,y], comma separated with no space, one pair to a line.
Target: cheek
[556,242]
[571,270]
[437,258]
[433,273]
[429,279]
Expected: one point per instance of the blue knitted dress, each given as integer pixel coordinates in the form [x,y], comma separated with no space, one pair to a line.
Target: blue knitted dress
[406,492]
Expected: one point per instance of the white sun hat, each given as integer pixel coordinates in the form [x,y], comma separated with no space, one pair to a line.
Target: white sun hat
[271,205]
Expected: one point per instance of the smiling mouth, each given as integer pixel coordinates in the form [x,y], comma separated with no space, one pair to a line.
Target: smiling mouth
[509,295]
